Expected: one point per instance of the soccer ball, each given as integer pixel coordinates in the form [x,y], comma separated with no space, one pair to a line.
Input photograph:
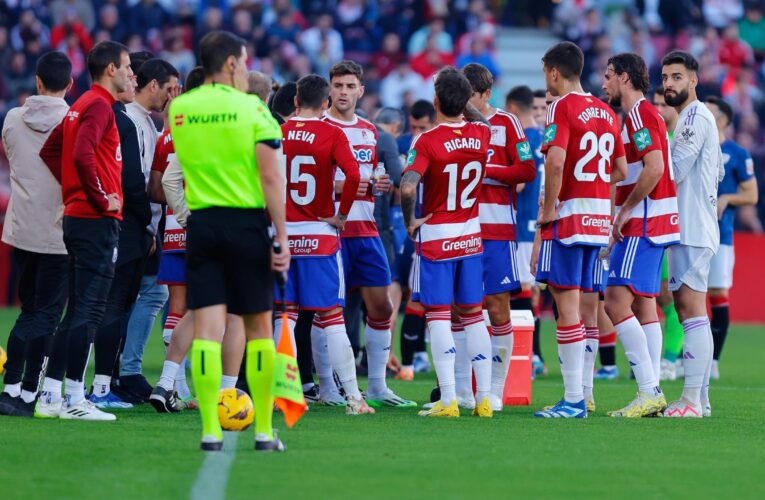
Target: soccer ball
[235,411]
[3,359]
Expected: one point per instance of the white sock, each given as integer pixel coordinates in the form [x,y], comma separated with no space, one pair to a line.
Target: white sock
[654,338]
[52,387]
[501,352]
[74,390]
[13,390]
[228,381]
[377,339]
[28,396]
[101,385]
[321,358]
[571,356]
[180,381]
[291,321]
[479,350]
[636,348]
[704,398]
[591,341]
[169,371]
[463,371]
[697,352]
[443,350]
[341,354]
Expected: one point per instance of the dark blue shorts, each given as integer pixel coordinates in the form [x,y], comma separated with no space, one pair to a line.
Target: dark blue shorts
[567,267]
[636,263]
[172,269]
[500,267]
[365,262]
[439,283]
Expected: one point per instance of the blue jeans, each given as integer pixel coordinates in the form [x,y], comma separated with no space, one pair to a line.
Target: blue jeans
[151,300]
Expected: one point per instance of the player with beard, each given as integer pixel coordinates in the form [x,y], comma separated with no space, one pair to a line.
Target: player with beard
[698,166]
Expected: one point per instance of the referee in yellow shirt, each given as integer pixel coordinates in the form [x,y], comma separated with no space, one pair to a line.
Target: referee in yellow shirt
[227,143]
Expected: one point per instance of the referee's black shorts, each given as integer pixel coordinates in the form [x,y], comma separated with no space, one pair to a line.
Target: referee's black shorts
[228,260]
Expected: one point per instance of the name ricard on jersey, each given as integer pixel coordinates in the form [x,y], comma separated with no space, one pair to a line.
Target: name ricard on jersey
[462,143]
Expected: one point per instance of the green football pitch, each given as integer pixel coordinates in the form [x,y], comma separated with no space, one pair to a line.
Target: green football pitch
[397,453]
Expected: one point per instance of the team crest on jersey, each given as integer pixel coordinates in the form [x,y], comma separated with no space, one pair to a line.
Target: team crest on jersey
[686,135]
[550,133]
[524,151]
[642,139]
[412,156]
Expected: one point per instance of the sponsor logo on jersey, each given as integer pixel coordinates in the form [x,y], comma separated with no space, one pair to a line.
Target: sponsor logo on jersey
[72,115]
[550,133]
[505,281]
[674,220]
[205,118]
[642,139]
[603,223]
[363,155]
[471,245]
[411,157]
[524,151]
[303,245]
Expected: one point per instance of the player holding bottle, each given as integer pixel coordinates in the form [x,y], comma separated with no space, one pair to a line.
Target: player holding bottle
[582,144]
[450,161]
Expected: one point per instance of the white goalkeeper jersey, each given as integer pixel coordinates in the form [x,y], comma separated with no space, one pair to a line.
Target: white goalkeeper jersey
[699,167]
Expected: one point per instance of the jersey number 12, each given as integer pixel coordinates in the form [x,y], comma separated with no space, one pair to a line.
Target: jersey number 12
[471,171]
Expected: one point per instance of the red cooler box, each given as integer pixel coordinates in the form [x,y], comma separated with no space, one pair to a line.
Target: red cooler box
[518,384]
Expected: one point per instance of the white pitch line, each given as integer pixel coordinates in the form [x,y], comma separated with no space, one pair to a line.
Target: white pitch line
[213,474]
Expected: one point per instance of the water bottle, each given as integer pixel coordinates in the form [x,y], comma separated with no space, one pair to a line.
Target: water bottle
[377,174]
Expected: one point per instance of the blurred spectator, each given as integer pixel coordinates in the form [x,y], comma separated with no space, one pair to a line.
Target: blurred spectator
[180,56]
[430,60]
[29,28]
[81,10]
[389,56]
[241,24]
[734,52]
[355,21]
[395,87]
[20,78]
[721,13]
[5,48]
[322,44]
[752,27]
[70,26]
[479,54]
[147,15]
[434,29]
[109,24]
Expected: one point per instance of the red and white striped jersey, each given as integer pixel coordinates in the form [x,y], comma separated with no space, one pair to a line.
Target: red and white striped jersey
[588,130]
[656,217]
[174,239]
[451,159]
[313,150]
[363,138]
[510,162]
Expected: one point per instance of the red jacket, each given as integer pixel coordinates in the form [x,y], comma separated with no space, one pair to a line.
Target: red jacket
[83,153]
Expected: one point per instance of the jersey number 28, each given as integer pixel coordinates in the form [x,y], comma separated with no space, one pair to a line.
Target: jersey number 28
[603,148]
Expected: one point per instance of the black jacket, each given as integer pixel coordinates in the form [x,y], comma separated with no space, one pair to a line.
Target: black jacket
[135,240]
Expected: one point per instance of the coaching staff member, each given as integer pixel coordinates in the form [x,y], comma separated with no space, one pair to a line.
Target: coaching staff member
[84,155]
[227,142]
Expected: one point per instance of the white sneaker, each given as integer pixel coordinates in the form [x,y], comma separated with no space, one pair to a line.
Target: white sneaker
[466,401]
[496,402]
[47,407]
[679,368]
[715,373]
[331,398]
[682,408]
[668,370]
[84,410]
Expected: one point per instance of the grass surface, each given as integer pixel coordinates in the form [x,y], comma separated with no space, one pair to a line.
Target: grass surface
[145,455]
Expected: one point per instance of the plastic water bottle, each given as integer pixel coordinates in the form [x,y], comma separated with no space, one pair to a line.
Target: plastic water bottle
[377,174]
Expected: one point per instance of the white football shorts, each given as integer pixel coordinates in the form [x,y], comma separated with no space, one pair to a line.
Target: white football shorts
[523,257]
[721,268]
[689,266]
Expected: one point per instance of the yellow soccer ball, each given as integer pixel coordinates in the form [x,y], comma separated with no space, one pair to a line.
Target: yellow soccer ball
[235,410]
[3,359]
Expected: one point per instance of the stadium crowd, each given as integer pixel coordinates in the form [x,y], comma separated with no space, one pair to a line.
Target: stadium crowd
[398,47]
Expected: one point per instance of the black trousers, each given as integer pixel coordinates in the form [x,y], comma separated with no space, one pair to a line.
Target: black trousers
[92,247]
[123,293]
[42,293]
